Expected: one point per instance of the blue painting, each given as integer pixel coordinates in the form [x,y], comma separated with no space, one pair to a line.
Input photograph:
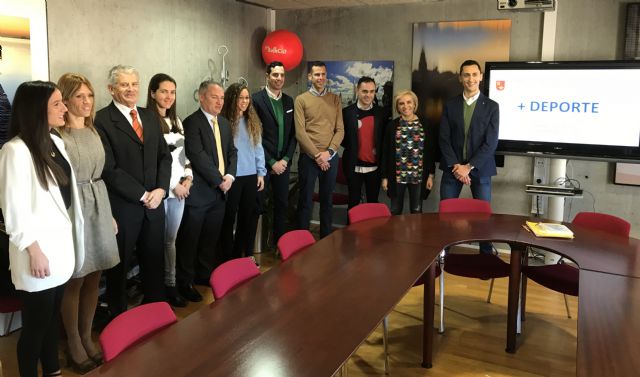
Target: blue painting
[343,76]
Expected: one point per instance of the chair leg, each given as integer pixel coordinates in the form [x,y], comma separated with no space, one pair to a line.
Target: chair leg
[566,304]
[385,343]
[490,291]
[441,329]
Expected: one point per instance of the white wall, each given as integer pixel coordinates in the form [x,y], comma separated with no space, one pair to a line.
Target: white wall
[177,37]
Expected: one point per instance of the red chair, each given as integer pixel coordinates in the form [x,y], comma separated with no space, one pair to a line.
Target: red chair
[367,211]
[479,266]
[133,326]
[562,277]
[230,274]
[293,242]
[9,304]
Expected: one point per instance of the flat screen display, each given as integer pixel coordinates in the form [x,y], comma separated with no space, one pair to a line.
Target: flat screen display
[585,109]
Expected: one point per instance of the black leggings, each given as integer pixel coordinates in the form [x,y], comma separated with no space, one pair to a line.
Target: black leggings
[415,201]
[40,331]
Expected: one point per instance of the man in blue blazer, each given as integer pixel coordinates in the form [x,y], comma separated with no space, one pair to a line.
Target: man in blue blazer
[136,171]
[275,110]
[468,138]
[214,169]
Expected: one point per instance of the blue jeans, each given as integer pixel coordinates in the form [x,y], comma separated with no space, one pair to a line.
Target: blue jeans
[308,173]
[450,188]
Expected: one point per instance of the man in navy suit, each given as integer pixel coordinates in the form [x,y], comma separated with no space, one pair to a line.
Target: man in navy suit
[468,138]
[136,171]
[210,149]
[275,110]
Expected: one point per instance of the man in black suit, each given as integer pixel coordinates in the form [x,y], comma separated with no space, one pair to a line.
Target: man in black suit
[364,122]
[136,171]
[209,146]
[275,110]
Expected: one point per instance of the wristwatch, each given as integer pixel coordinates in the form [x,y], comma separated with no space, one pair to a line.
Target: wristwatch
[331,152]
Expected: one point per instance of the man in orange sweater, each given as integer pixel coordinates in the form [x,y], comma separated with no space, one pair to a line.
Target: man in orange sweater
[319,130]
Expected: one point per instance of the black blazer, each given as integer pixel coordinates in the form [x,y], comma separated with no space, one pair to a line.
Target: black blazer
[388,164]
[263,107]
[200,148]
[351,141]
[483,135]
[131,167]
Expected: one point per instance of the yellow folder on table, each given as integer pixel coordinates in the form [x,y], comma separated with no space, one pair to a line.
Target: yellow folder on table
[552,230]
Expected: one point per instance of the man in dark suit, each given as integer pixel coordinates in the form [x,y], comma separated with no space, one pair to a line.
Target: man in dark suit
[209,146]
[363,125]
[468,139]
[275,110]
[136,171]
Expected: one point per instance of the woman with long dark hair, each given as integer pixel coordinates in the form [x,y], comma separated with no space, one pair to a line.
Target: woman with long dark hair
[161,99]
[241,198]
[43,219]
[84,147]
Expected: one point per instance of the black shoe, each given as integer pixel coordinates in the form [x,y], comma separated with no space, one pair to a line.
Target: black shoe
[190,293]
[174,298]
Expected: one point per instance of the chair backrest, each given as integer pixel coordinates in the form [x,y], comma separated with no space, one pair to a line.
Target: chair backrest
[604,222]
[133,326]
[230,274]
[366,211]
[293,242]
[465,205]
[341,178]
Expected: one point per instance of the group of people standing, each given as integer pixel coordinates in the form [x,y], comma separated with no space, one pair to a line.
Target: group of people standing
[84,192]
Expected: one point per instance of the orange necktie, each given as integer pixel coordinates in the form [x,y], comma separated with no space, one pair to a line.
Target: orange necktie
[136,124]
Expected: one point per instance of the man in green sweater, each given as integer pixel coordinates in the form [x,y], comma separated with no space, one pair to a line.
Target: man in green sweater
[319,130]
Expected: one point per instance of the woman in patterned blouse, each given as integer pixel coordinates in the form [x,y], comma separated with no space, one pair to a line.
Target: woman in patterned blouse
[408,151]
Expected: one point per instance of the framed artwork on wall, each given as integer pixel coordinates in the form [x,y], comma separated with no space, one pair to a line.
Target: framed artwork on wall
[343,76]
[627,174]
[438,50]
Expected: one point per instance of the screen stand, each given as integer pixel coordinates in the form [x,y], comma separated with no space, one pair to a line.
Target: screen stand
[557,173]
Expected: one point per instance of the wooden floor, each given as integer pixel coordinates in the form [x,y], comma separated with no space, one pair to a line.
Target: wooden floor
[472,345]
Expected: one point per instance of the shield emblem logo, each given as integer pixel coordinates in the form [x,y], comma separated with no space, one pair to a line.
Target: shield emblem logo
[500,84]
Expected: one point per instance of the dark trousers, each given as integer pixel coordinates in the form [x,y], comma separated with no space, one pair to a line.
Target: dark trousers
[371,182]
[40,331]
[145,236]
[308,173]
[415,202]
[280,191]
[197,241]
[241,203]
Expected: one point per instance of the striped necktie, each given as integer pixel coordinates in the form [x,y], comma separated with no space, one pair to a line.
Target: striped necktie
[135,123]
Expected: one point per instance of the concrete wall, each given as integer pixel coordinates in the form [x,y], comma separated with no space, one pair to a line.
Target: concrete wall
[586,29]
[178,37]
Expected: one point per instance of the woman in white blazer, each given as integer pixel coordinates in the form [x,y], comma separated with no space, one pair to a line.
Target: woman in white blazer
[43,220]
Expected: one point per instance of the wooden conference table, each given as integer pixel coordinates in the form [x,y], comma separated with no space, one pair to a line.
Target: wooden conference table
[306,316]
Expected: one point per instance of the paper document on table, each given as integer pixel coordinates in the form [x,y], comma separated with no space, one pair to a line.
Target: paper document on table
[552,230]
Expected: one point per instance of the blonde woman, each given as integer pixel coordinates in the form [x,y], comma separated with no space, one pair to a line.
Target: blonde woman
[407,156]
[86,153]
